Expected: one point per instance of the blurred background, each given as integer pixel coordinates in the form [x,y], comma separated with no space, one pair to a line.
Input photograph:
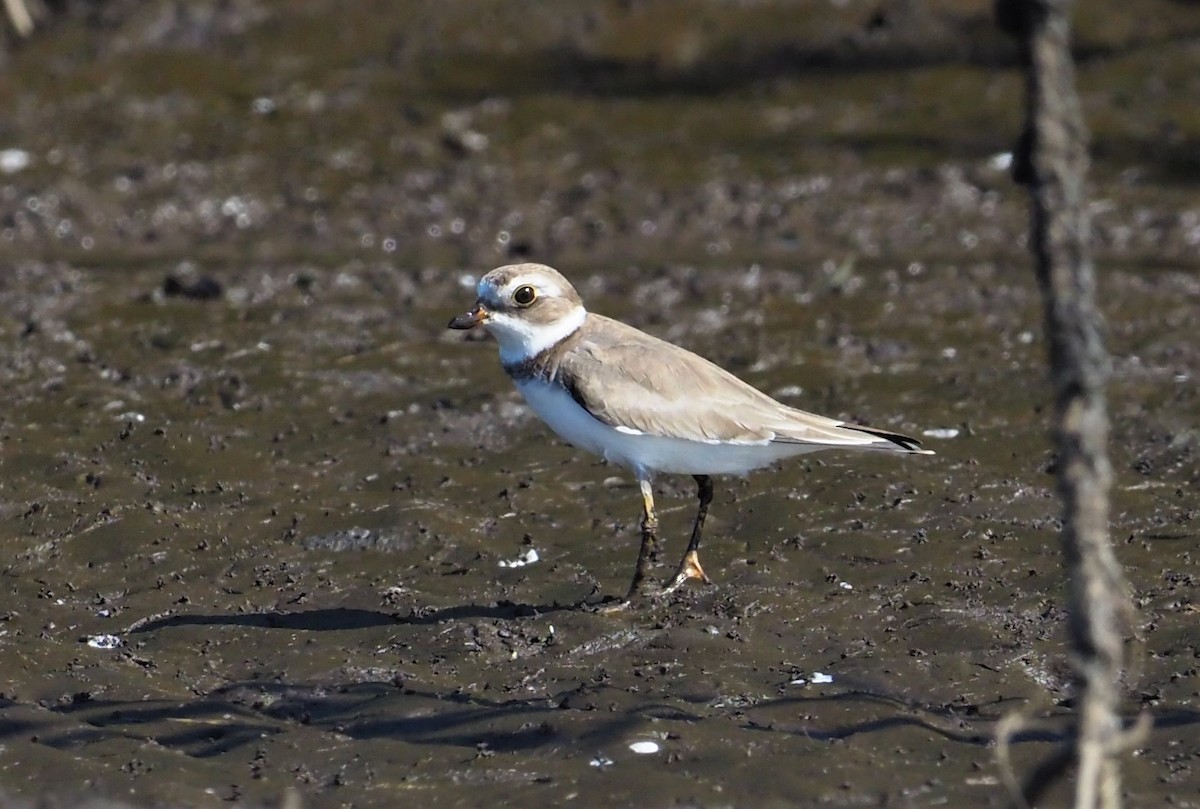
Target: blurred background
[461,134]
[259,510]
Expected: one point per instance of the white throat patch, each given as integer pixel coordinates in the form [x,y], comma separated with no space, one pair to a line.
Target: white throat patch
[520,339]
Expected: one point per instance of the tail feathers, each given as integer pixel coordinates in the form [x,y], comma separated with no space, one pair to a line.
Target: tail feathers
[902,441]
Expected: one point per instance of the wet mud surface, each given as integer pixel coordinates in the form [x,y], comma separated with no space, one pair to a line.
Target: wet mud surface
[260,510]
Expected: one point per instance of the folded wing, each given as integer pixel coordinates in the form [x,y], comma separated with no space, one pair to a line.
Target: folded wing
[636,383]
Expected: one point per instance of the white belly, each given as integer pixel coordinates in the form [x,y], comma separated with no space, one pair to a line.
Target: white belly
[646,454]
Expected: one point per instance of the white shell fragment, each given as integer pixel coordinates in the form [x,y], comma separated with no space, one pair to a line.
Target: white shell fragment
[528,557]
[645,747]
[941,432]
[14,160]
[104,641]
[1001,161]
[817,679]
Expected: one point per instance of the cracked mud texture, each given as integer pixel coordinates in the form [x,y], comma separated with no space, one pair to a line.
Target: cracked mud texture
[238,440]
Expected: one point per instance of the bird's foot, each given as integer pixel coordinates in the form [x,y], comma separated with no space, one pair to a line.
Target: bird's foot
[645,591]
[689,568]
[615,607]
[641,594]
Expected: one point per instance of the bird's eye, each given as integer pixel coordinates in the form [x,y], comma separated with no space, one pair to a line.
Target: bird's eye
[525,295]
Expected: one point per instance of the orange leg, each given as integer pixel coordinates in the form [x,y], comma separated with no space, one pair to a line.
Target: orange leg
[641,587]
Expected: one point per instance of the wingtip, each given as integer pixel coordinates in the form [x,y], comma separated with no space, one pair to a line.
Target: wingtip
[895,441]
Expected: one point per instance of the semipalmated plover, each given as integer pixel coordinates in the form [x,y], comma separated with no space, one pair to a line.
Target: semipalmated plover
[642,402]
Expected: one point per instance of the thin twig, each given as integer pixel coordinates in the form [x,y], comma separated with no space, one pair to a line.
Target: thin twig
[19,16]
[1052,161]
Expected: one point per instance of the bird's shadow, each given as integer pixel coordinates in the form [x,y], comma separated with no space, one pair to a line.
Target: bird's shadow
[337,619]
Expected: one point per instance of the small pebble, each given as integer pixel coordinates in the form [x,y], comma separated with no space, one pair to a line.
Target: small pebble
[527,558]
[1001,161]
[14,160]
[104,641]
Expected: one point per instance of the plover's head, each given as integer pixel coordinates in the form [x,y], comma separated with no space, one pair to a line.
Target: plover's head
[526,307]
